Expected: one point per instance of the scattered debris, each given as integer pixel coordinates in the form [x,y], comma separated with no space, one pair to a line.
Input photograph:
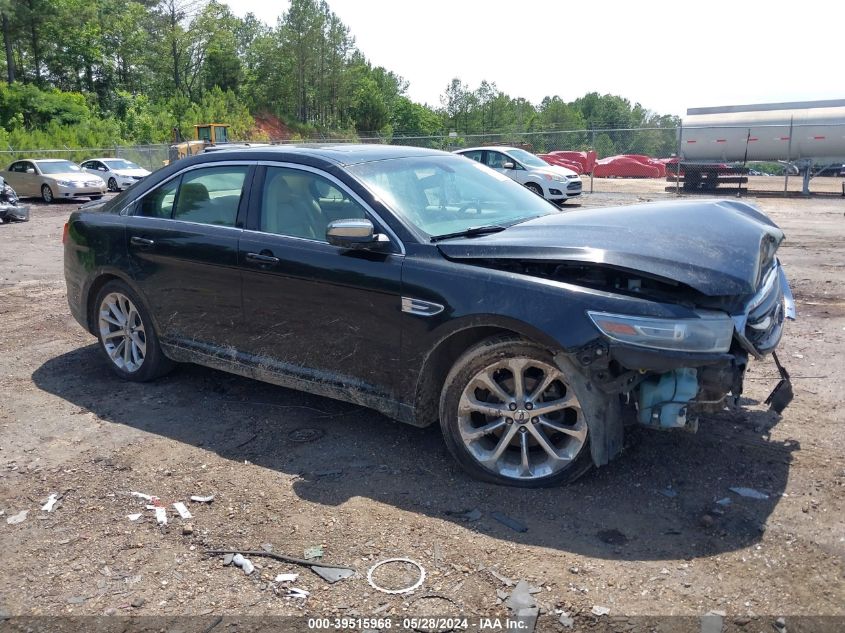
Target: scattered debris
[267,547]
[520,597]
[503,579]
[315,551]
[161,515]
[750,493]
[465,515]
[726,501]
[513,524]
[712,623]
[138,602]
[780,625]
[76,600]
[668,492]
[523,606]
[329,572]
[182,510]
[134,517]
[143,496]
[566,620]
[706,520]
[20,517]
[599,610]
[303,435]
[296,592]
[51,502]
[286,577]
[227,559]
[187,529]
[332,574]
[244,563]
[199,499]
[396,560]
[612,537]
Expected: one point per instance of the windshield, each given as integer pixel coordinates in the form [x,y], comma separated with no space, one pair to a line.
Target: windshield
[527,158]
[57,167]
[448,194]
[119,163]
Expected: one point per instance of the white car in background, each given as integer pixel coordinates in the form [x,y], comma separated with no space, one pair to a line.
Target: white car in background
[118,173]
[53,179]
[554,183]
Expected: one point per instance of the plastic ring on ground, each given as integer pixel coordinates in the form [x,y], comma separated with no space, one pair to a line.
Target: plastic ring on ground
[416,585]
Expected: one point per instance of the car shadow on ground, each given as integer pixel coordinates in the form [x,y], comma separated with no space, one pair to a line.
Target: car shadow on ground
[654,502]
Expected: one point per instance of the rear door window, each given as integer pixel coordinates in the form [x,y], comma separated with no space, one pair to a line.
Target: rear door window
[210,195]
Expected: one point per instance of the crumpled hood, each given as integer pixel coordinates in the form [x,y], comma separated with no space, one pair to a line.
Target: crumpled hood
[716,247]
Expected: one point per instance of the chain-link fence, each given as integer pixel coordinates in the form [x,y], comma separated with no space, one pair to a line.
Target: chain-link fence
[758,160]
[149,157]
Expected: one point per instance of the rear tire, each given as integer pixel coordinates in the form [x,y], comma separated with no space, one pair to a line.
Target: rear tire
[127,337]
[46,194]
[510,416]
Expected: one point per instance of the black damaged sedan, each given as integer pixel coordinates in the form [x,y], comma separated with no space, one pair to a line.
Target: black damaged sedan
[431,288]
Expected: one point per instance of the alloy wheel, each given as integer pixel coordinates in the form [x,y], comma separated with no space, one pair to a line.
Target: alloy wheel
[520,419]
[122,332]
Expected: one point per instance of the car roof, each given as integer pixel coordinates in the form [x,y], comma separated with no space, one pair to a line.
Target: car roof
[338,153]
[501,148]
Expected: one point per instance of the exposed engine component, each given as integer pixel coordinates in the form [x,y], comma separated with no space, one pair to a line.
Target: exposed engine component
[664,400]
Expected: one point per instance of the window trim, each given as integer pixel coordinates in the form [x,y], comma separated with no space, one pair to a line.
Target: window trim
[253,219]
[131,208]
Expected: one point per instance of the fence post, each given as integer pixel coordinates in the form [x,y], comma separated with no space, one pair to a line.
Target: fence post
[678,165]
[788,157]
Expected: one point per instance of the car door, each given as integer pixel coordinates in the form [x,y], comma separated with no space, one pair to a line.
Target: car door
[22,181]
[314,310]
[497,160]
[182,241]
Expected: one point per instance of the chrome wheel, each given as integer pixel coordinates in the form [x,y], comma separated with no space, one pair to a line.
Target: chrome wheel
[520,419]
[46,194]
[112,184]
[122,332]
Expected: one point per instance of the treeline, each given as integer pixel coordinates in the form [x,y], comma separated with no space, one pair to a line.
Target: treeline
[103,72]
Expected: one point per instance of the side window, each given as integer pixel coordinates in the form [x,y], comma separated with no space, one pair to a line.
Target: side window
[301,204]
[158,203]
[211,195]
[475,155]
[496,160]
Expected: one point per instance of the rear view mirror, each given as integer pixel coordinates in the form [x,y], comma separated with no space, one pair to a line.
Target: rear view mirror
[508,166]
[356,234]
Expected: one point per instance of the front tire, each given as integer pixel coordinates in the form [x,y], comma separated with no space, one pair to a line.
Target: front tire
[126,334]
[510,416]
[46,194]
[533,186]
[112,184]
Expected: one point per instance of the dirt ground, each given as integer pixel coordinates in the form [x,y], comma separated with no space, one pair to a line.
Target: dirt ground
[290,471]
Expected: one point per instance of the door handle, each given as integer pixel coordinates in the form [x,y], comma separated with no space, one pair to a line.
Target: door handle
[258,258]
[141,242]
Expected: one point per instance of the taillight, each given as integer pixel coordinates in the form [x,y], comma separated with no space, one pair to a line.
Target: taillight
[65,232]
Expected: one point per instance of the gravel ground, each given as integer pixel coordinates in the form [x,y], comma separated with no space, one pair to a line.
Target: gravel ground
[290,471]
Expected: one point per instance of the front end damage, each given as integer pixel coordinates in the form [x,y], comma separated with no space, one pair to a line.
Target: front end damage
[667,389]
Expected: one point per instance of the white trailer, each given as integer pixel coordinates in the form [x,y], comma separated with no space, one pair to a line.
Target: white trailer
[798,133]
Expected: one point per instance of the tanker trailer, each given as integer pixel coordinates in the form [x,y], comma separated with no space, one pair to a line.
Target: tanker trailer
[798,133]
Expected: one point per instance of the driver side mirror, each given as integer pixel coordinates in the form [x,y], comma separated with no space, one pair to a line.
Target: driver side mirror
[508,166]
[30,170]
[356,234]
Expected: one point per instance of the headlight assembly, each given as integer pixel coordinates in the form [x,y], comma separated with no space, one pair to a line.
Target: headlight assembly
[710,332]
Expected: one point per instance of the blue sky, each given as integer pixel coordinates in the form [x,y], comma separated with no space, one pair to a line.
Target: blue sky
[669,56]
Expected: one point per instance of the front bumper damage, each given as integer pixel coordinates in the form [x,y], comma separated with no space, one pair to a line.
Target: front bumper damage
[667,390]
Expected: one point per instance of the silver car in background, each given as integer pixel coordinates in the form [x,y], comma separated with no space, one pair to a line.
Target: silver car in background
[118,173]
[53,179]
[552,182]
